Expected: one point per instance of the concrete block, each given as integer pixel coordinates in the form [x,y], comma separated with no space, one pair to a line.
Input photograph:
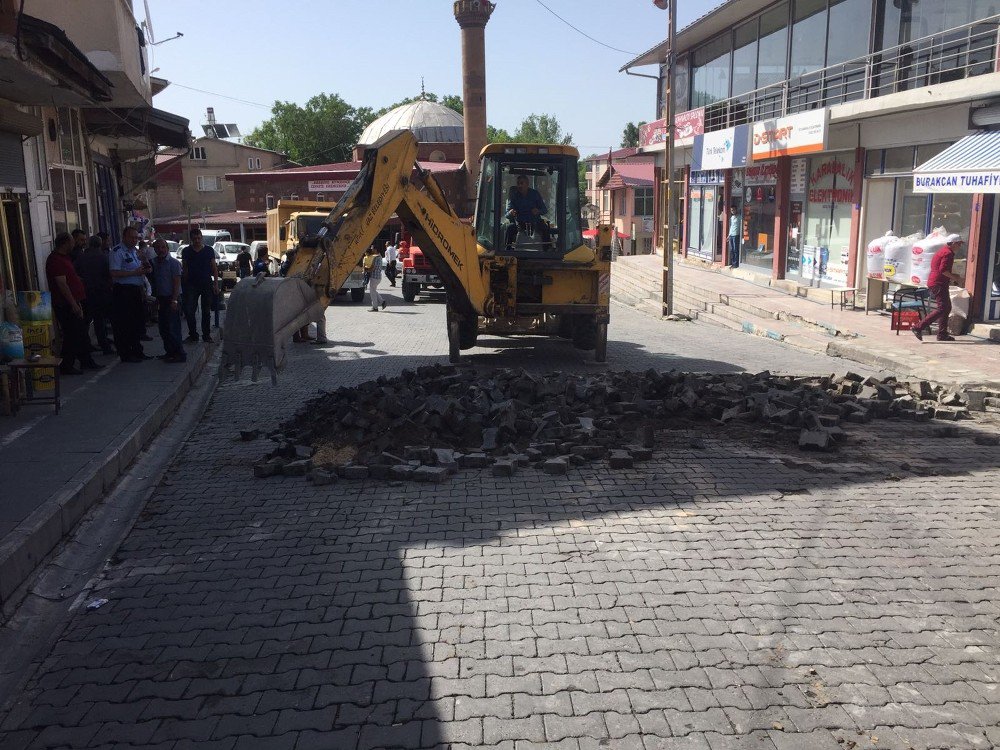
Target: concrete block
[321,477]
[354,471]
[475,461]
[815,440]
[555,466]
[297,468]
[504,467]
[639,452]
[431,474]
[401,471]
[619,459]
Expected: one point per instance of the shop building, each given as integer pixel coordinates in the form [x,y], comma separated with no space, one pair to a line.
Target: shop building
[809,121]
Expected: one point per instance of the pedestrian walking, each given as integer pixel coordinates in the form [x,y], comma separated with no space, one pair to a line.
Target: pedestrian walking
[166,277]
[374,277]
[128,316]
[391,256]
[938,282]
[68,294]
[200,275]
[244,263]
[93,269]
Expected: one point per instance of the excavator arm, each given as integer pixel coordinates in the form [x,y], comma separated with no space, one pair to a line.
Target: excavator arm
[263,313]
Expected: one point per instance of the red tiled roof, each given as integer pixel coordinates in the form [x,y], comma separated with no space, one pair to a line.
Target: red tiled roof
[627,174]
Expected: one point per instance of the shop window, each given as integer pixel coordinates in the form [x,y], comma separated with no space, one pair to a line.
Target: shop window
[643,202]
[898,160]
[926,153]
[826,228]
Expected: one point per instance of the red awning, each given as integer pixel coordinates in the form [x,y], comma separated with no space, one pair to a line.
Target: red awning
[593,233]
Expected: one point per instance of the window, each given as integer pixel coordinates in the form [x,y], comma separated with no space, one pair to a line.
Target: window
[198,153]
[249,162]
[710,82]
[209,183]
[321,196]
[808,33]
[843,40]
[745,58]
[256,163]
[643,202]
[773,46]
[622,204]
[647,245]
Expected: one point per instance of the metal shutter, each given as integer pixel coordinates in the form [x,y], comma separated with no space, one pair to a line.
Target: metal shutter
[11,161]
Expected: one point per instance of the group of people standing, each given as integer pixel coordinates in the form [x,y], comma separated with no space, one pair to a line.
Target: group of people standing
[92,282]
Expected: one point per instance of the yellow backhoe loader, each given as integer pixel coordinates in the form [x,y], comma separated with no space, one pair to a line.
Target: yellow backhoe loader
[502,275]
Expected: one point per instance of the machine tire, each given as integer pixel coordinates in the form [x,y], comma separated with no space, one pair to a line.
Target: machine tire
[468,332]
[358,294]
[585,332]
[454,342]
[601,349]
[565,330]
[410,291]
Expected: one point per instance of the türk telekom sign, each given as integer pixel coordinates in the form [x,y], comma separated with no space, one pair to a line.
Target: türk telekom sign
[805,133]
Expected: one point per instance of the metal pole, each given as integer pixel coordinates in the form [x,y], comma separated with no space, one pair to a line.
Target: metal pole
[668,235]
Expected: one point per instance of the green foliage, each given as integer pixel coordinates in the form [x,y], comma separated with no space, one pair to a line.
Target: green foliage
[324,130]
[541,129]
[630,136]
[497,135]
[454,101]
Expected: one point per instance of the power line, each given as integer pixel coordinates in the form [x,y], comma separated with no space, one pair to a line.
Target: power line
[221,96]
[584,33]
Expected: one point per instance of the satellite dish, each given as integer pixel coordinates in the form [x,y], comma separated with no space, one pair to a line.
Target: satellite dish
[148,22]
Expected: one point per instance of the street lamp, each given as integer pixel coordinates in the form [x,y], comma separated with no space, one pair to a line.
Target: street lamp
[669,221]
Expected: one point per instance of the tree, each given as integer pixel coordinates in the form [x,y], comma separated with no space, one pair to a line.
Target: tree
[497,135]
[454,101]
[541,129]
[324,130]
[630,136]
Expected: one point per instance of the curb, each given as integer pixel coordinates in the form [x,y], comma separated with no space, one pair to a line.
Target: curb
[24,549]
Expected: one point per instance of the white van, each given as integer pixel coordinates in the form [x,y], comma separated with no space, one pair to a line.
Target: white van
[211,236]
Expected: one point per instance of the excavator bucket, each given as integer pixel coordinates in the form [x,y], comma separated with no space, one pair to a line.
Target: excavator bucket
[261,316]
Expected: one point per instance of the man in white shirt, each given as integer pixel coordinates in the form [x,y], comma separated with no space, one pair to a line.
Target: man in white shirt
[391,256]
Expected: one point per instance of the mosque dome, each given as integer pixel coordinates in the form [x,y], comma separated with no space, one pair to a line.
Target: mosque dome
[430,122]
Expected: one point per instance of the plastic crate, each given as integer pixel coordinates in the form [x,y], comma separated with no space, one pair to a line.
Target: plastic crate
[904,320]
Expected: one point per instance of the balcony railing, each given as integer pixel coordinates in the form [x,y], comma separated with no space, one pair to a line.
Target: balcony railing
[962,52]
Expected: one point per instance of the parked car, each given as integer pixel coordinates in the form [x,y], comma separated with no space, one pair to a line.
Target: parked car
[225,256]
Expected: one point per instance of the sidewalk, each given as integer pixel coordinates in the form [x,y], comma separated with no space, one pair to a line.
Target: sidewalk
[53,468]
[719,297]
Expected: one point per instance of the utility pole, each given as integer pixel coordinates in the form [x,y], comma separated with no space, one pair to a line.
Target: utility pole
[669,218]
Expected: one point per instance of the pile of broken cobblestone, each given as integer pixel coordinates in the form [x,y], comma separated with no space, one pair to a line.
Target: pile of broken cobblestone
[426,424]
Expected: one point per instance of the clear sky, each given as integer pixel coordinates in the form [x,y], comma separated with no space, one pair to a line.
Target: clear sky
[374,52]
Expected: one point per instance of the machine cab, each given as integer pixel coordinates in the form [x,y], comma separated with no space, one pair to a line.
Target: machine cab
[529,201]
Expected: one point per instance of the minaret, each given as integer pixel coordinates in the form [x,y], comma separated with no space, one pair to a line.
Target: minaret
[472,16]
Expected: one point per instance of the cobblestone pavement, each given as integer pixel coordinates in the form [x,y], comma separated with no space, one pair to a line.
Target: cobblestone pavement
[736,596]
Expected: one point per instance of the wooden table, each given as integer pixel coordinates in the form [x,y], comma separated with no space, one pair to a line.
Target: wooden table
[26,366]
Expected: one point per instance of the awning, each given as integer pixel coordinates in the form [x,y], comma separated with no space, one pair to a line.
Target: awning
[162,128]
[971,165]
[618,235]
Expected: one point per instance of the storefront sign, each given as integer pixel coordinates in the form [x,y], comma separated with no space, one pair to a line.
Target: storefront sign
[762,174]
[957,182]
[686,125]
[328,186]
[689,124]
[831,181]
[800,176]
[786,136]
[721,149]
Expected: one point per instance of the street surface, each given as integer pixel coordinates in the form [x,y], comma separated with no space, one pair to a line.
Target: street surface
[733,596]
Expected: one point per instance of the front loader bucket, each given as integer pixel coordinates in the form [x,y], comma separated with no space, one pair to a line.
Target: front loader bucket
[261,316]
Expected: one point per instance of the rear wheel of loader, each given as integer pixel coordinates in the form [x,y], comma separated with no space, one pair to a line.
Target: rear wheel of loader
[410,291]
[585,332]
[565,330]
[601,350]
[358,294]
[454,340]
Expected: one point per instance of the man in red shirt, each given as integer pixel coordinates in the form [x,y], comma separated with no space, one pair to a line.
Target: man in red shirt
[68,292]
[938,280]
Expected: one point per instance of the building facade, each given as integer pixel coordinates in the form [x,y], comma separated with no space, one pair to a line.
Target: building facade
[810,121]
[77,127]
[620,188]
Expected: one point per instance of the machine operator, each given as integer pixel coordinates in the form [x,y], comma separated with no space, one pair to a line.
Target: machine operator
[525,209]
